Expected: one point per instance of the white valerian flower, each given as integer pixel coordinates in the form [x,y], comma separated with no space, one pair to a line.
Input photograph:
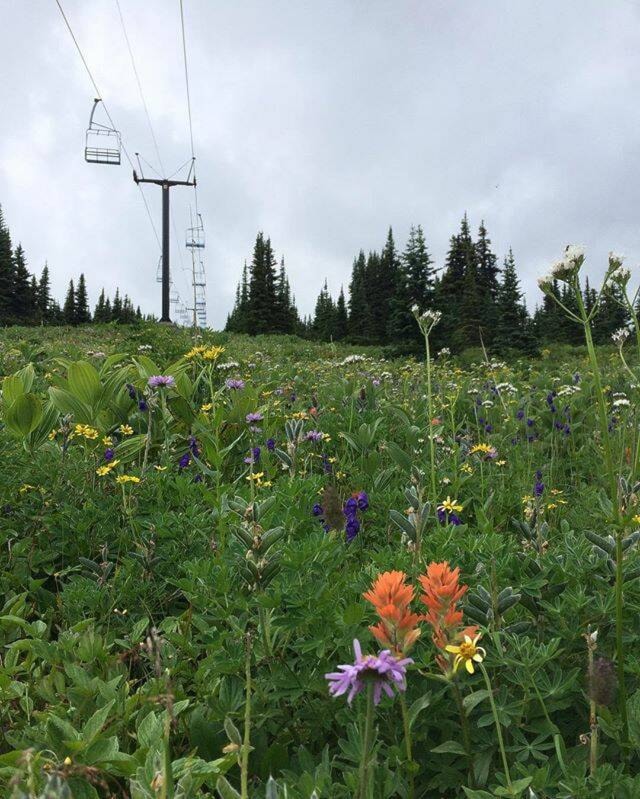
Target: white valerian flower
[574,252]
[623,402]
[620,336]
[616,258]
[564,270]
[428,320]
[415,310]
[544,281]
[618,274]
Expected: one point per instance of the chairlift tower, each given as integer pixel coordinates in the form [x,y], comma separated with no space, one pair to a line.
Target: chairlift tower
[166,184]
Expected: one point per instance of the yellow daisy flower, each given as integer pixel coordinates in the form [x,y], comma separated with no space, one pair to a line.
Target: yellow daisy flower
[468,653]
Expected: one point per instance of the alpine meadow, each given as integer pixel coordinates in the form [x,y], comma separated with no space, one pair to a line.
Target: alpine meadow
[319,435]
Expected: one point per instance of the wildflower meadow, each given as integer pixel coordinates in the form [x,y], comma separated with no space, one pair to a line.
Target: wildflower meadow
[264,567]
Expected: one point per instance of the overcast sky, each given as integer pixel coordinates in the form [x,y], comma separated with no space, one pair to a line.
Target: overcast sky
[322,123]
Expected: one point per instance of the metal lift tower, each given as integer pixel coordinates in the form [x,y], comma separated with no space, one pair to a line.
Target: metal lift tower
[166,184]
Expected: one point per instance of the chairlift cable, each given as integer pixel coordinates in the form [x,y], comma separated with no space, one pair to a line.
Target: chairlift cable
[106,110]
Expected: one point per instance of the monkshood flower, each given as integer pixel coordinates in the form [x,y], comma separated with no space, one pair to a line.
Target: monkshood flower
[234,385]
[184,461]
[271,444]
[108,454]
[352,527]
[142,405]
[386,672]
[362,499]
[161,381]
[132,390]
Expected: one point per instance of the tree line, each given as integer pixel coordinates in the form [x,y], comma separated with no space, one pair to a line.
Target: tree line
[480,298]
[26,299]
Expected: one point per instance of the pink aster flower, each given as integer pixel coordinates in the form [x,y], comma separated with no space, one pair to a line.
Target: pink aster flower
[384,670]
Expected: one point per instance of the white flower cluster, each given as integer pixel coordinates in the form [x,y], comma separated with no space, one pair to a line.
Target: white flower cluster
[224,367]
[566,269]
[567,391]
[621,402]
[506,388]
[427,319]
[352,359]
[444,352]
[620,336]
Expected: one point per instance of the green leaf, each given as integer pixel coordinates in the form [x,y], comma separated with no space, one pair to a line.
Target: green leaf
[66,402]
[84,382]
[23,415]
[96,722]
[449,748]
[471,794]
[417,707]
[225,790]
[472,700]
[233,733]
[398,455]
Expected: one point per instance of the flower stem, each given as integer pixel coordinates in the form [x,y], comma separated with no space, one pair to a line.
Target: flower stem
[367,742]
[246,743]
[407,742]
[464,723]
[496,720]
[432,454]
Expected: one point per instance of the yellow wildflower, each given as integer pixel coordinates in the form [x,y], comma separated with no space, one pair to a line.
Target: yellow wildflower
[26,487]
[213,353]
[468,653]
[86,431]
[466,468]
[450,505]
[195,351]
[101,471]
[160,468]
[121,479]
[255,476]
[206,407]
[126,430]
[107,441]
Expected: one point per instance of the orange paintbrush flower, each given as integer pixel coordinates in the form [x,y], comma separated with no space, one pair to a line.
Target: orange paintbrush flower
[442,592]
[391,597]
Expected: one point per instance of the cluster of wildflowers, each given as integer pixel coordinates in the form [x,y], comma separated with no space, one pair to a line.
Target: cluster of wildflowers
[85,431]
[359,501]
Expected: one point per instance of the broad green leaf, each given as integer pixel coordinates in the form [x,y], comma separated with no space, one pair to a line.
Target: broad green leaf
[84,382]
[23,415]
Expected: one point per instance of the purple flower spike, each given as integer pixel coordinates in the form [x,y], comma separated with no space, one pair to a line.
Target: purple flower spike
[384,670]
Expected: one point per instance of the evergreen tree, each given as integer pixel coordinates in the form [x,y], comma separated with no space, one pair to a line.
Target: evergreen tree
[69,308]
[611,315]
[324,318]
[358,304]
[83,314]
[453,286]
[116,308]
[382,284]
[513,328]
[488,286]
[21,305]
[262,287]
[99,313]
[44,297]
[341,319]
[7,274]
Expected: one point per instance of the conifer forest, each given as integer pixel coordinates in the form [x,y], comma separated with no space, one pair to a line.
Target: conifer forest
[320,453]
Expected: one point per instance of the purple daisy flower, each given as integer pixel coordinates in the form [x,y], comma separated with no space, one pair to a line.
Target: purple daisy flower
[384,670]
[314,435]
[256,416]
[159,381]
[234,385]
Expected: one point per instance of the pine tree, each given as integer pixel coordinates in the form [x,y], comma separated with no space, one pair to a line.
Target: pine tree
[262,288]
[324,317]
[21,306]
[487,283]
[7,274]
[382,284]
[99,313]
[453,286]
[116,308]
[341,319]
[513,328]
[358,301]
[69,308]
[43,297]
[83,314]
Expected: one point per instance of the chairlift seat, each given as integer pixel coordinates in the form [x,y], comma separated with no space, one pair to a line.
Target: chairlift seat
[102,143]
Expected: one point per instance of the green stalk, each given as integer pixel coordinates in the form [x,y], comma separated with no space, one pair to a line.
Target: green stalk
[368,740]
[432,454]
[246,743]
[618,528]
[466,738]
[407,741]
[496,720]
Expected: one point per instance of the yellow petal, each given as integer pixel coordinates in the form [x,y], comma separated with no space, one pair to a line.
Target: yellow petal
[469,665]
[454,649]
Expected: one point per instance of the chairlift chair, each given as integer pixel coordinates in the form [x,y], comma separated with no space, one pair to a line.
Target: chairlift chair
[102,143]
[195,235]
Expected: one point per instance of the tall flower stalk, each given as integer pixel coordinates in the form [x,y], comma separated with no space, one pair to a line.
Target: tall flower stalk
[567,271]
[427,321]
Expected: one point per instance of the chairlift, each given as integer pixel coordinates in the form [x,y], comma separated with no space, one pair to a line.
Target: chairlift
[195,235]
[102,143]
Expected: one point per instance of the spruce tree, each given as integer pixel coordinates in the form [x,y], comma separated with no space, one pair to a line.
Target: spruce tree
[99,313]
[324,318]
[69,307]
[116,308]
[513,327]
[341,318]
[83,314]
[487,283]
[44,297]
[7,274]
[358,304]
[382,280]
[21,306]
[453,286]
[262,288]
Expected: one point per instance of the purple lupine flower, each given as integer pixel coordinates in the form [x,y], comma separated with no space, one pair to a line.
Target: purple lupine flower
[530,423]
[363,500]
[538,488]
[161,381]
[385,670]
[352,528]
[520,415]
[488,428]
[193,446]
[350,507]
[132,390]
[184,461]
[108,454]
[454,519]
[234,385]
[293,397]
[271,444]
[256,416]
[317,510]
[314,435]
[444,517]
[142,405]
[198,478]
